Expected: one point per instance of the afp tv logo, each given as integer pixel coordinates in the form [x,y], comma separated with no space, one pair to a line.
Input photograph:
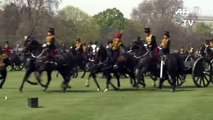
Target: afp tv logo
[188,15]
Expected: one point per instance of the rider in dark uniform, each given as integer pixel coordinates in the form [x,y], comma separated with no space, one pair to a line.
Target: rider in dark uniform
[182,50]
[151,42]
[191,50]
[165,44]
[6,54]
[78,46]
[6,48]
[116,44]
[50,43]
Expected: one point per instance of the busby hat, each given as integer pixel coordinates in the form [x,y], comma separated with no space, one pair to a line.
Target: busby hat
[147,30]
[51,30]
[7,42]
[78,40]
[166,33]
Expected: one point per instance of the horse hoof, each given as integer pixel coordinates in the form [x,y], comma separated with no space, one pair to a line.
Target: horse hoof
[69,87]
[137,87]
[172,90]
[20,90]
[87,85]
[98,89]
[106,90]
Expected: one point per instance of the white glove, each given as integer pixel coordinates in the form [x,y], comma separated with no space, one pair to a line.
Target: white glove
[44,45]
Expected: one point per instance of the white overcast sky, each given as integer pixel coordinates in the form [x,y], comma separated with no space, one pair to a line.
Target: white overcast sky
[125,6]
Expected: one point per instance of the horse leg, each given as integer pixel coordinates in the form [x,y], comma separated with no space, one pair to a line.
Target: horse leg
[173,77]
[96,82]
[66,77]
[4,75]
[118,80]
[76,73]
[107,75]
[49,78]
[87,83]
[108,82]
[132,78]
[12,67]
[26,76]
[83,73]
[64,84]
[38,78]
[140,78]
[161,83]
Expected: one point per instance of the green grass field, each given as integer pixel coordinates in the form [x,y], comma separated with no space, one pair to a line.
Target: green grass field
[81,103]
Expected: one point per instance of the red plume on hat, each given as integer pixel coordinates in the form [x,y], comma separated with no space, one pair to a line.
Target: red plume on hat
[118,35]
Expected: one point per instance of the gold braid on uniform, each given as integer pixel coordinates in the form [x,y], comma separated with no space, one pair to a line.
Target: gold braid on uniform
[149,40]
[164,42]
[116,44]
[78,45]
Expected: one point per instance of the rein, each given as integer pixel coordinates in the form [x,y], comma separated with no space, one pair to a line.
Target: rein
[38,55]
[104,61]
[138,57]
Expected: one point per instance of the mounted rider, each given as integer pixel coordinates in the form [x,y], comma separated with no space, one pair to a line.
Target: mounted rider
[6,54]
[116,44]
[151,42]
[191,50]
[182,50]
[165,43]
[78,46]
[6,48]
[50,43]
[109,47]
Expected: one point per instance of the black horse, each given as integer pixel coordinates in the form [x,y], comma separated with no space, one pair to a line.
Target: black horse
[38,61]
[81,60]
[103,63]
[173,66]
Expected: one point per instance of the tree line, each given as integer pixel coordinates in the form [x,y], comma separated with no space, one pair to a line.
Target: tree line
[33,17]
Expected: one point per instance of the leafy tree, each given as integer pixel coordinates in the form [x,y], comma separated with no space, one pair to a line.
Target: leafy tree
[110,21]
[204,29]
[132,30]
[78,24]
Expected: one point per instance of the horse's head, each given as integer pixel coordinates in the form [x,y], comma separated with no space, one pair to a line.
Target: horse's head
[138,47]
[92,51]
[30,44]
[73,49]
